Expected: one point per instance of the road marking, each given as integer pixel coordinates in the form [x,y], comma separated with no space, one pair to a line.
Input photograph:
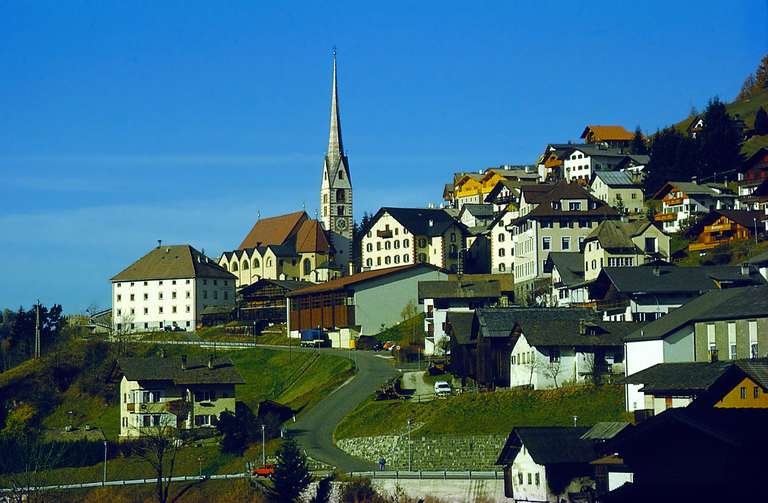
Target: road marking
[342,385]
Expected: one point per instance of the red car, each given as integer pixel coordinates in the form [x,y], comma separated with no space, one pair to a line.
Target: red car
[264,471]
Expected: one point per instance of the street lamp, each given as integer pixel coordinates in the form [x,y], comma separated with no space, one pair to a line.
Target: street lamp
[754,219]
[410,459]
[263,447]
[104,475]
[200,466]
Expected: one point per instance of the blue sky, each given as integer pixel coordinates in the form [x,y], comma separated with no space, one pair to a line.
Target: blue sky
[126,122]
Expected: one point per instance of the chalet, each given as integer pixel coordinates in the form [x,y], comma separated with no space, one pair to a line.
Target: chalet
[558,345]
[550,163]
[754,197]
[721,227]
[617,244]
[720,384]
[728,324]
[648,292]
[360,304]
[567,272]
[693,454]
[549,464]
[681,201]
[176,392]
[505,196]
[620,189]
[474,215]
[614,136]
[582,162]
[441,297]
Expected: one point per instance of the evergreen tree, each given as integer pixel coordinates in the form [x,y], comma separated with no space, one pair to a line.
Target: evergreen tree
[761,74]
[638,146]
[720,140]
[761,122]
[747,88]
[674,156]
[291,475]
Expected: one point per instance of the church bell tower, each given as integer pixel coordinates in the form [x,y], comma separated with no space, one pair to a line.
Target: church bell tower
[336,187]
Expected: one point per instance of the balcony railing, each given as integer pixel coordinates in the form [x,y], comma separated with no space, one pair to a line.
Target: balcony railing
[387,233]
[719,227]
[665,217]
[674,201]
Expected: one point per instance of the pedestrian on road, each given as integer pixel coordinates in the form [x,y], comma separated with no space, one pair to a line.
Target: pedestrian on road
[382,462]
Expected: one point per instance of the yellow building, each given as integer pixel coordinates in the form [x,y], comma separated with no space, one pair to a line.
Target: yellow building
[175,392]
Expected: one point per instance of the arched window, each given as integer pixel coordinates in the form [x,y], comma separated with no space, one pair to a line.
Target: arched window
[397,259]
[387,245]
[369,262]
[387,260]
[369,247]
[406,258]
[501,238]
[502,267]
[406,243]
[307,267]
[422,243]
[422,257]
[341,174]
[245,264]
[226,266]
[397,244]
[452,249]
[256,264]
[340,196]
[501,252]
[234,266]
[325,198]
[269,262]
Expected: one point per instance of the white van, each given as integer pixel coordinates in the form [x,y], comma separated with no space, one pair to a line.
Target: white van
[442,388]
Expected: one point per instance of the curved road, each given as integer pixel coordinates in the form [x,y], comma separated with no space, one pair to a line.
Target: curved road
[314,429]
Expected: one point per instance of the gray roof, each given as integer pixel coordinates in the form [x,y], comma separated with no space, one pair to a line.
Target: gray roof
[696,377]
[173,262]
[577,331]
[459,290]
[570,266]
[595,150]
[617,179]
[461,325]
[605,430]
[499,322]
[760,259]
[731,303]
[484,211]
[549,445]
[673,279]
[617,236]
[169,369]
[417,220]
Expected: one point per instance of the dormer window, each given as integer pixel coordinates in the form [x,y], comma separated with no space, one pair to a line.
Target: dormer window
[574,206]
[555,205]
[341,175]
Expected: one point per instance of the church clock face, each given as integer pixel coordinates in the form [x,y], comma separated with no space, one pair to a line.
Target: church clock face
[341,224]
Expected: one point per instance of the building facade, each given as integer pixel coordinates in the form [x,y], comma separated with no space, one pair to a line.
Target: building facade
[168,288]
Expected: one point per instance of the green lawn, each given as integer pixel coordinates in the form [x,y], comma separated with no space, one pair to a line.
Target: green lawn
[404,332]
[487,413]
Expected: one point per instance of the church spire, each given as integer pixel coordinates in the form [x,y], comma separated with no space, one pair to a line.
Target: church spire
[335,146]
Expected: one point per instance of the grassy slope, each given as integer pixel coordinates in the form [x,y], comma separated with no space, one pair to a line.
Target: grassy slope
[404,331]
[488,413]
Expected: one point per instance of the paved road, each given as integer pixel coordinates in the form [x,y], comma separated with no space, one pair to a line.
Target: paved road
[314,430]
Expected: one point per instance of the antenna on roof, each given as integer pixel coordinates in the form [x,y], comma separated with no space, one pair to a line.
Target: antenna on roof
[159,243]
[303,206]
[258,215]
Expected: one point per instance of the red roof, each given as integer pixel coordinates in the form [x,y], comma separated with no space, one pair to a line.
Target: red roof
[273,230]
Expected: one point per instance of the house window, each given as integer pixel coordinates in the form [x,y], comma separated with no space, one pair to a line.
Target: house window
[546,243]
[369,247]
[173,309]
[215,294]
[160,310]
[547,224]
[378,260]
[119,297]
[501,252]
[160,296]
[650,245]
[146,296]
[387,260]
[502,267]
[397,259]
[520,478]
[565,243]
[732,340]
[422,257]
[574,206]
[743,392]
[378,246]
[146,311]
[755,392]
[406,243]
[554,356]
[205,396]
[173,295]
[530,477]
[752,329]
[536,477]
[187,308]
[406,258]
[369,262]
[500,238]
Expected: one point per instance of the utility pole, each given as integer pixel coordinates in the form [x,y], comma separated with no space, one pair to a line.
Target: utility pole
[37,329]
[410,458]
[263,447]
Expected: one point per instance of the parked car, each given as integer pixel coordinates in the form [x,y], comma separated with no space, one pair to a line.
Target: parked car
[264,471]
[442,388]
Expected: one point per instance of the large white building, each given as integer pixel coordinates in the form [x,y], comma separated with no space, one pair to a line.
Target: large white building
[168,287]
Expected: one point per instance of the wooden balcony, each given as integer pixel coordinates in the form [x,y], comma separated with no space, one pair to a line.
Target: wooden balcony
[720,228]
[674,201]
[386,233]
[704,246]
[665,217]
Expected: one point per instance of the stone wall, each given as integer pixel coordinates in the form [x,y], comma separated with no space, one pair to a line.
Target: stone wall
[438,452]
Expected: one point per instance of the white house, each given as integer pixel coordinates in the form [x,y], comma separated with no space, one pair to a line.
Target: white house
[547,464]
[567,272]
[620,189]
[169,287]
[681,201]
[502,247]
[441,297]
[583,161]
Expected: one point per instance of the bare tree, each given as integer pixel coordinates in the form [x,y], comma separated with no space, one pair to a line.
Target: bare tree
[596,367]
[159,446]
[551,369]
[121,331]
[533,363]
[37,459]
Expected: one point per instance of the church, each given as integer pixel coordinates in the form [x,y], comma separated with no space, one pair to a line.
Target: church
[294,246]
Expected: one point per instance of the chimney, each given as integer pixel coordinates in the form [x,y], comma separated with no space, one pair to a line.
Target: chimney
[159,243]
[183,362]
[210,361]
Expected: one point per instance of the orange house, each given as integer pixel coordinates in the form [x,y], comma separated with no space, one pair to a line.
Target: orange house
[720,227]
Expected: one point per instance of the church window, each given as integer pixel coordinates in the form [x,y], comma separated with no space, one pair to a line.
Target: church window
[325,211]
[340,196]
[422,243]
[307,267]
[387,260]
[340,210]
[325,198]
[256,264]
[245,264]
[234,266]
[406,258]
[341,175]
[269,262]
[369,247]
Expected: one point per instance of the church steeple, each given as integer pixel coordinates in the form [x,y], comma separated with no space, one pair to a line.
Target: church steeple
[335,145]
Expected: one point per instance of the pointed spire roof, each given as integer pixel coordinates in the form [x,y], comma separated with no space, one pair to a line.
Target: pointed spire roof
[335,145]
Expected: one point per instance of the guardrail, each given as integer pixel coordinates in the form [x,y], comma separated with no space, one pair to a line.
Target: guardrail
[391,475]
